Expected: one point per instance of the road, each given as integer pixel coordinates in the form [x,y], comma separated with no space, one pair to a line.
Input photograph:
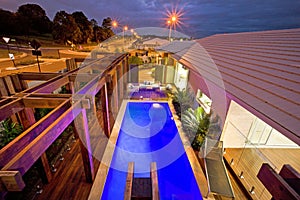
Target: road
[53,57]
[49,64]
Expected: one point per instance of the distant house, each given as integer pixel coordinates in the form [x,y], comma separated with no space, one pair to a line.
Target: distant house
[152,43]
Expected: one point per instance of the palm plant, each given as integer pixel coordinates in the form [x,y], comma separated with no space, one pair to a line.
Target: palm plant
[183,100]
[195,123]
[198,124]
[10,131]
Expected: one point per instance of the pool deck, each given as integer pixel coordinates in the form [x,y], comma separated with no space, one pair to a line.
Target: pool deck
[100,179]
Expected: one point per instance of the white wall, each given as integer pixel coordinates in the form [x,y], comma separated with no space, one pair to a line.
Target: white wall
[243,129]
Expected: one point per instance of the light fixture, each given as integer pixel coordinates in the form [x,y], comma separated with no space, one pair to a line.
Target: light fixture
[231,161]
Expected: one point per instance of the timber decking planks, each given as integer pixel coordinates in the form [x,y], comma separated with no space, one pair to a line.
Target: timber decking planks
[248,161]
[69,181]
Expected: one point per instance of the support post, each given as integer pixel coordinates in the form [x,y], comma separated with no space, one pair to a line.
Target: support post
[110,99]
[121,84]
[44,169]
[105,110]
[115,94]
[82,130]
[27,119]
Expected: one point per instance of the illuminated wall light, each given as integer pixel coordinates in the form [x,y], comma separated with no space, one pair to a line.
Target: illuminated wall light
[232,161]
[61,157]
[241,175]
[53,169]
[39,189]
[252,190]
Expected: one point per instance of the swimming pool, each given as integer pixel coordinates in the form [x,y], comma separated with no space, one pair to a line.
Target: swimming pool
[148,134]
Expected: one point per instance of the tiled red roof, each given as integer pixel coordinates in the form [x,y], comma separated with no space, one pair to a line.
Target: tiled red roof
[260,69]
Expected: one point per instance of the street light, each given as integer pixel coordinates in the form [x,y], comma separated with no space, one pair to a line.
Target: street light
[115,24]
[174,19]
[125,28]
[172,22]
[170,29]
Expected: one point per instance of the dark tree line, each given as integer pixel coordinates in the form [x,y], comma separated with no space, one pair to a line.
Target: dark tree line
[31,19]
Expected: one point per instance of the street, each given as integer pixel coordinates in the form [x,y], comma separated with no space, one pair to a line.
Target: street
[48,64]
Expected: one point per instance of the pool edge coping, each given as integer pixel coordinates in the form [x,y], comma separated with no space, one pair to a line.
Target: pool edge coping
[101,175]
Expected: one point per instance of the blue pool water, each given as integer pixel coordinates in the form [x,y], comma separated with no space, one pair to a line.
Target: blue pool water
[149,134]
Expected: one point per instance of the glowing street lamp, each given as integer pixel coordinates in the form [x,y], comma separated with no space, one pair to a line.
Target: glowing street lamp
[114,24]
[174,19]
[125,28]
[172,22]
[169,24]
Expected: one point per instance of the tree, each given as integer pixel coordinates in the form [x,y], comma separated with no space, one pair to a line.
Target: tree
[65,28]
[85,26]
[104,32]
[94,23]
[33,19]
[8,22]
[106,23]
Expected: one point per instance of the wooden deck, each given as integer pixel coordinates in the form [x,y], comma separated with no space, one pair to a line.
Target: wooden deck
[69,180]
[250,160]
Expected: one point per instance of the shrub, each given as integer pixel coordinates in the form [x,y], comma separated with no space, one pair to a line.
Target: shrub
[183,100]
[10,131]
[198,124]
[135,60]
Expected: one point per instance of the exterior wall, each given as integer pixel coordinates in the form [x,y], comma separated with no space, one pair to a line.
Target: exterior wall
[220,101]
[180,76]
[243,129]
[237,125]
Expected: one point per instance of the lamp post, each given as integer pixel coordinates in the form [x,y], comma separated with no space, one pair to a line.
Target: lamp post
[114,24]
[36,52]
[125,28]
[171,22]
[170,29]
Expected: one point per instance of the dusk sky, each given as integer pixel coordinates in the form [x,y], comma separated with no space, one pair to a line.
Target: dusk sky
[200,17]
